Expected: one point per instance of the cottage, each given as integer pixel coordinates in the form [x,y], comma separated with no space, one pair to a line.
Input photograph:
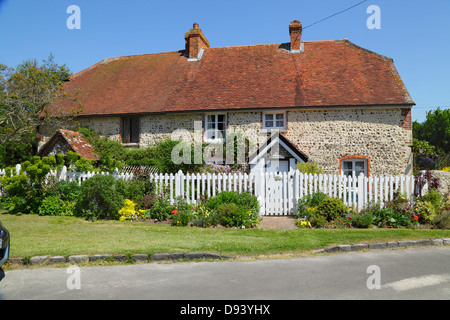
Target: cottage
[330,101]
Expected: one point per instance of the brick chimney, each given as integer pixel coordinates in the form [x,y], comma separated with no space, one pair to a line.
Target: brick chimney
[295,31]
[195,40]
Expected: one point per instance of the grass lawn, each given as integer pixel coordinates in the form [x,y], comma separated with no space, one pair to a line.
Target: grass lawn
[33,235]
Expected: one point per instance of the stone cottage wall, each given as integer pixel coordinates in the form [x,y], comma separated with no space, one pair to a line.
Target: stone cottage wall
[383,136]
[377,134]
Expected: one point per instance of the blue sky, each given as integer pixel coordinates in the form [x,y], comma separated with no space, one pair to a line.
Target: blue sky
[415,33]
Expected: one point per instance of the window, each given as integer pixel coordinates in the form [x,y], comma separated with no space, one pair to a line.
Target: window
[354,167]
[130,130]
[215,127]
[274,121]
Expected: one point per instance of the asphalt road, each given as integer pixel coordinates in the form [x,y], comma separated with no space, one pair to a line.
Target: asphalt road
[416,273]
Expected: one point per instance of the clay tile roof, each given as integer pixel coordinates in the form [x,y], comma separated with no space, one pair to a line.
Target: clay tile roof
[77,143]
[327,73]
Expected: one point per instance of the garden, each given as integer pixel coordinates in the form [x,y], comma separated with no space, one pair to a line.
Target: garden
[429,212]
[35,191]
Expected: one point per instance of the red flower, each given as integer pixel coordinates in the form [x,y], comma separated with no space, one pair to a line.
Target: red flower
[174,211]
[416,218]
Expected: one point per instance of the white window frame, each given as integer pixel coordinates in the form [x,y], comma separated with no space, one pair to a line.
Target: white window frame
[353,161]
[274,120]
[216,130]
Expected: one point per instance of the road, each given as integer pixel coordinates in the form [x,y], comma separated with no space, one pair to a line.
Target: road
[416,273]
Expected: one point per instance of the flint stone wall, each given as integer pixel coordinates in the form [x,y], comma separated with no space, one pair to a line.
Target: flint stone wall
[325,136]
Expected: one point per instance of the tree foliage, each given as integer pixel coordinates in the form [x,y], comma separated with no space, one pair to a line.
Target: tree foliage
[26,94]
[435,129]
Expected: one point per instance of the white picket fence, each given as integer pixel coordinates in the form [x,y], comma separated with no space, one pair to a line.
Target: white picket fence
[69,175]
[278,194]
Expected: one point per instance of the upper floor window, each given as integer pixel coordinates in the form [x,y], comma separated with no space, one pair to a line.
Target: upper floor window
[215,127]
[274,121]
[130,130]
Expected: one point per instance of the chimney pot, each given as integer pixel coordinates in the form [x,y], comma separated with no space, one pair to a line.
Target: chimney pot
[195,25]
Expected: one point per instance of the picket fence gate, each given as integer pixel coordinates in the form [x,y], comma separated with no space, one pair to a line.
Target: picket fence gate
[278,194]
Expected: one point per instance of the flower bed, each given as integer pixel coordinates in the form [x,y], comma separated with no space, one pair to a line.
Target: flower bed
[227,209]
[430,211]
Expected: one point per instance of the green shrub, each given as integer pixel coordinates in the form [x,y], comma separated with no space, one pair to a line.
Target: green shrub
[52,206]
[204,217]
[85,165]
[233,215]
[182,213]
[433,197]
[316,220]
[99,198]
[362,220]
[16,204]
[388,217]
[310,167]
[425,211]
[442,221]
[60,159]
[71,158]
[181,218]
[400,204]
[309,201]
[68,190]
[332,209]
[160,210]
[132,189]
[15,152]
[248,208]
[243,199]
[23,195]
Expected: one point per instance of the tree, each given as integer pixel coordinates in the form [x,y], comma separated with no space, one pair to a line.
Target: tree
[435,129]
[26,94]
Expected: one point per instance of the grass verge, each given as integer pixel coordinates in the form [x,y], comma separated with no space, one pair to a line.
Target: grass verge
[33,235]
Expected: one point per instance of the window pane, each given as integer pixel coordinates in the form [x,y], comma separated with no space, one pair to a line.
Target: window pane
[347,172]
[221,118]
[269,116]
[269,123]
[126,130]
[348,165]
[134,131]
[358,173]
[359,165]
[280,124]
[280,116]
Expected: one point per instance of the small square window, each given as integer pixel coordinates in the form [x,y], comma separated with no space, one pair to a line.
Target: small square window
[275,121]
[354,167]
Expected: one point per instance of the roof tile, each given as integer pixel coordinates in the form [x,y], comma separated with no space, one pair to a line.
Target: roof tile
[327,73]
